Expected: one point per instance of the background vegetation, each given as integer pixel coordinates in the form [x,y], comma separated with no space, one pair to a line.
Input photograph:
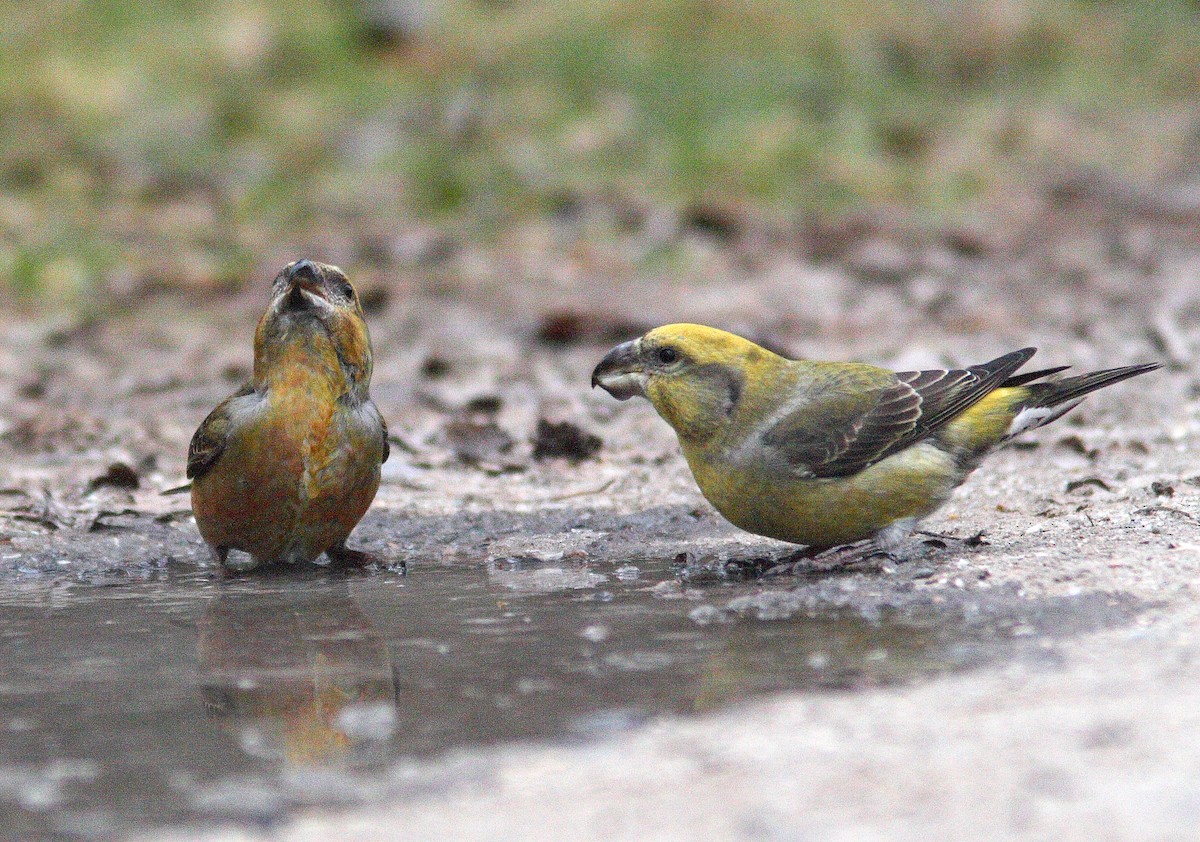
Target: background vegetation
[177,140]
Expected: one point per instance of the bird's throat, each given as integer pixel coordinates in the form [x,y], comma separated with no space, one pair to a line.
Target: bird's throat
[302,360]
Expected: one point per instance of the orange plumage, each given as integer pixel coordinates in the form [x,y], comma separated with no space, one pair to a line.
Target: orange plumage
[286,467]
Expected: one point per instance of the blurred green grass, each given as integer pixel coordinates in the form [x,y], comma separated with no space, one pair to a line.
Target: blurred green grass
[176,140]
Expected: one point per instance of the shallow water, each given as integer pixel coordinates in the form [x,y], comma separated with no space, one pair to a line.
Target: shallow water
[181,698]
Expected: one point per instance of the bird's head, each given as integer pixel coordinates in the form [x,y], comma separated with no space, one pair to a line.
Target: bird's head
[695,376]
[315,310]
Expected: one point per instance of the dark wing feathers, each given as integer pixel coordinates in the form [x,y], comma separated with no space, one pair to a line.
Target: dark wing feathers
[208,442]
[947,394]
[804,439]
[387,445]
[837,435]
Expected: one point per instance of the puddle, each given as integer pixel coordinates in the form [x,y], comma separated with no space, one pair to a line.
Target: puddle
[182,699]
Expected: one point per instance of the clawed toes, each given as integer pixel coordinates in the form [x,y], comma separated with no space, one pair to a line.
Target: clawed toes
[941,541]
[344,557]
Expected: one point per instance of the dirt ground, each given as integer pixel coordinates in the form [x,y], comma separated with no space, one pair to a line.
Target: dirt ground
[475,345]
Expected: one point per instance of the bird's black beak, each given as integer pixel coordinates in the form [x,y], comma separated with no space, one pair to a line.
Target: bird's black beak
[303,283]
[307,276]
[620,373]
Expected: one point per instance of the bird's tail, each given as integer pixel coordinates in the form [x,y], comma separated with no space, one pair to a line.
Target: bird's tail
[1052,399]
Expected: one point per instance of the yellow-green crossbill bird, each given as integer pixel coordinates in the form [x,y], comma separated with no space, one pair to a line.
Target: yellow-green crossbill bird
[826,454]
[285,467]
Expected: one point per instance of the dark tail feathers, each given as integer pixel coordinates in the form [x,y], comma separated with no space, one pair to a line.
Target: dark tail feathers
[1030,376]
[1058,392]
[1052,399]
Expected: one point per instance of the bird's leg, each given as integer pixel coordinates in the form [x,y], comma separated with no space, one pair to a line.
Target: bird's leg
[219,555]
[890,540]
[892,543]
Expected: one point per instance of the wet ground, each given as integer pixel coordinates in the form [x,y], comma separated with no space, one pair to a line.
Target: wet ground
[184,698]
[568,656]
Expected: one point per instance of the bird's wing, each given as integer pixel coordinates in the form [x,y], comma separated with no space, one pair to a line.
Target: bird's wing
[377,419]
[208,442]
[840,431]
[367,423]
[387,446]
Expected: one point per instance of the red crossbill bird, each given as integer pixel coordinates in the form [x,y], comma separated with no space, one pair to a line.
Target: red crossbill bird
[285,467]
[826,454]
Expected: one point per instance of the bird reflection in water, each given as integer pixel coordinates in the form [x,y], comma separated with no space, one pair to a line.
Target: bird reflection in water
[298,673]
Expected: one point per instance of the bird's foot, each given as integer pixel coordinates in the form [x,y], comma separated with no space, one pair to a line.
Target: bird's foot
[804,561]
[881,556]
[344,557]
[785,568]
[847,557]
[940,540]
[919,545]
[820,561]
[928,543]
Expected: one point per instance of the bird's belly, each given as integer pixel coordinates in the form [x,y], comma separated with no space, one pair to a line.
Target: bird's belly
[833,511]
[292,482]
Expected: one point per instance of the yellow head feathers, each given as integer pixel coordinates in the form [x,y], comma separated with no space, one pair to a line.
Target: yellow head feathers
[703,345]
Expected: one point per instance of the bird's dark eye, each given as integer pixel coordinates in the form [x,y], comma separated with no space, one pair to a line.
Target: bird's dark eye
[342,288]
[666,356]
